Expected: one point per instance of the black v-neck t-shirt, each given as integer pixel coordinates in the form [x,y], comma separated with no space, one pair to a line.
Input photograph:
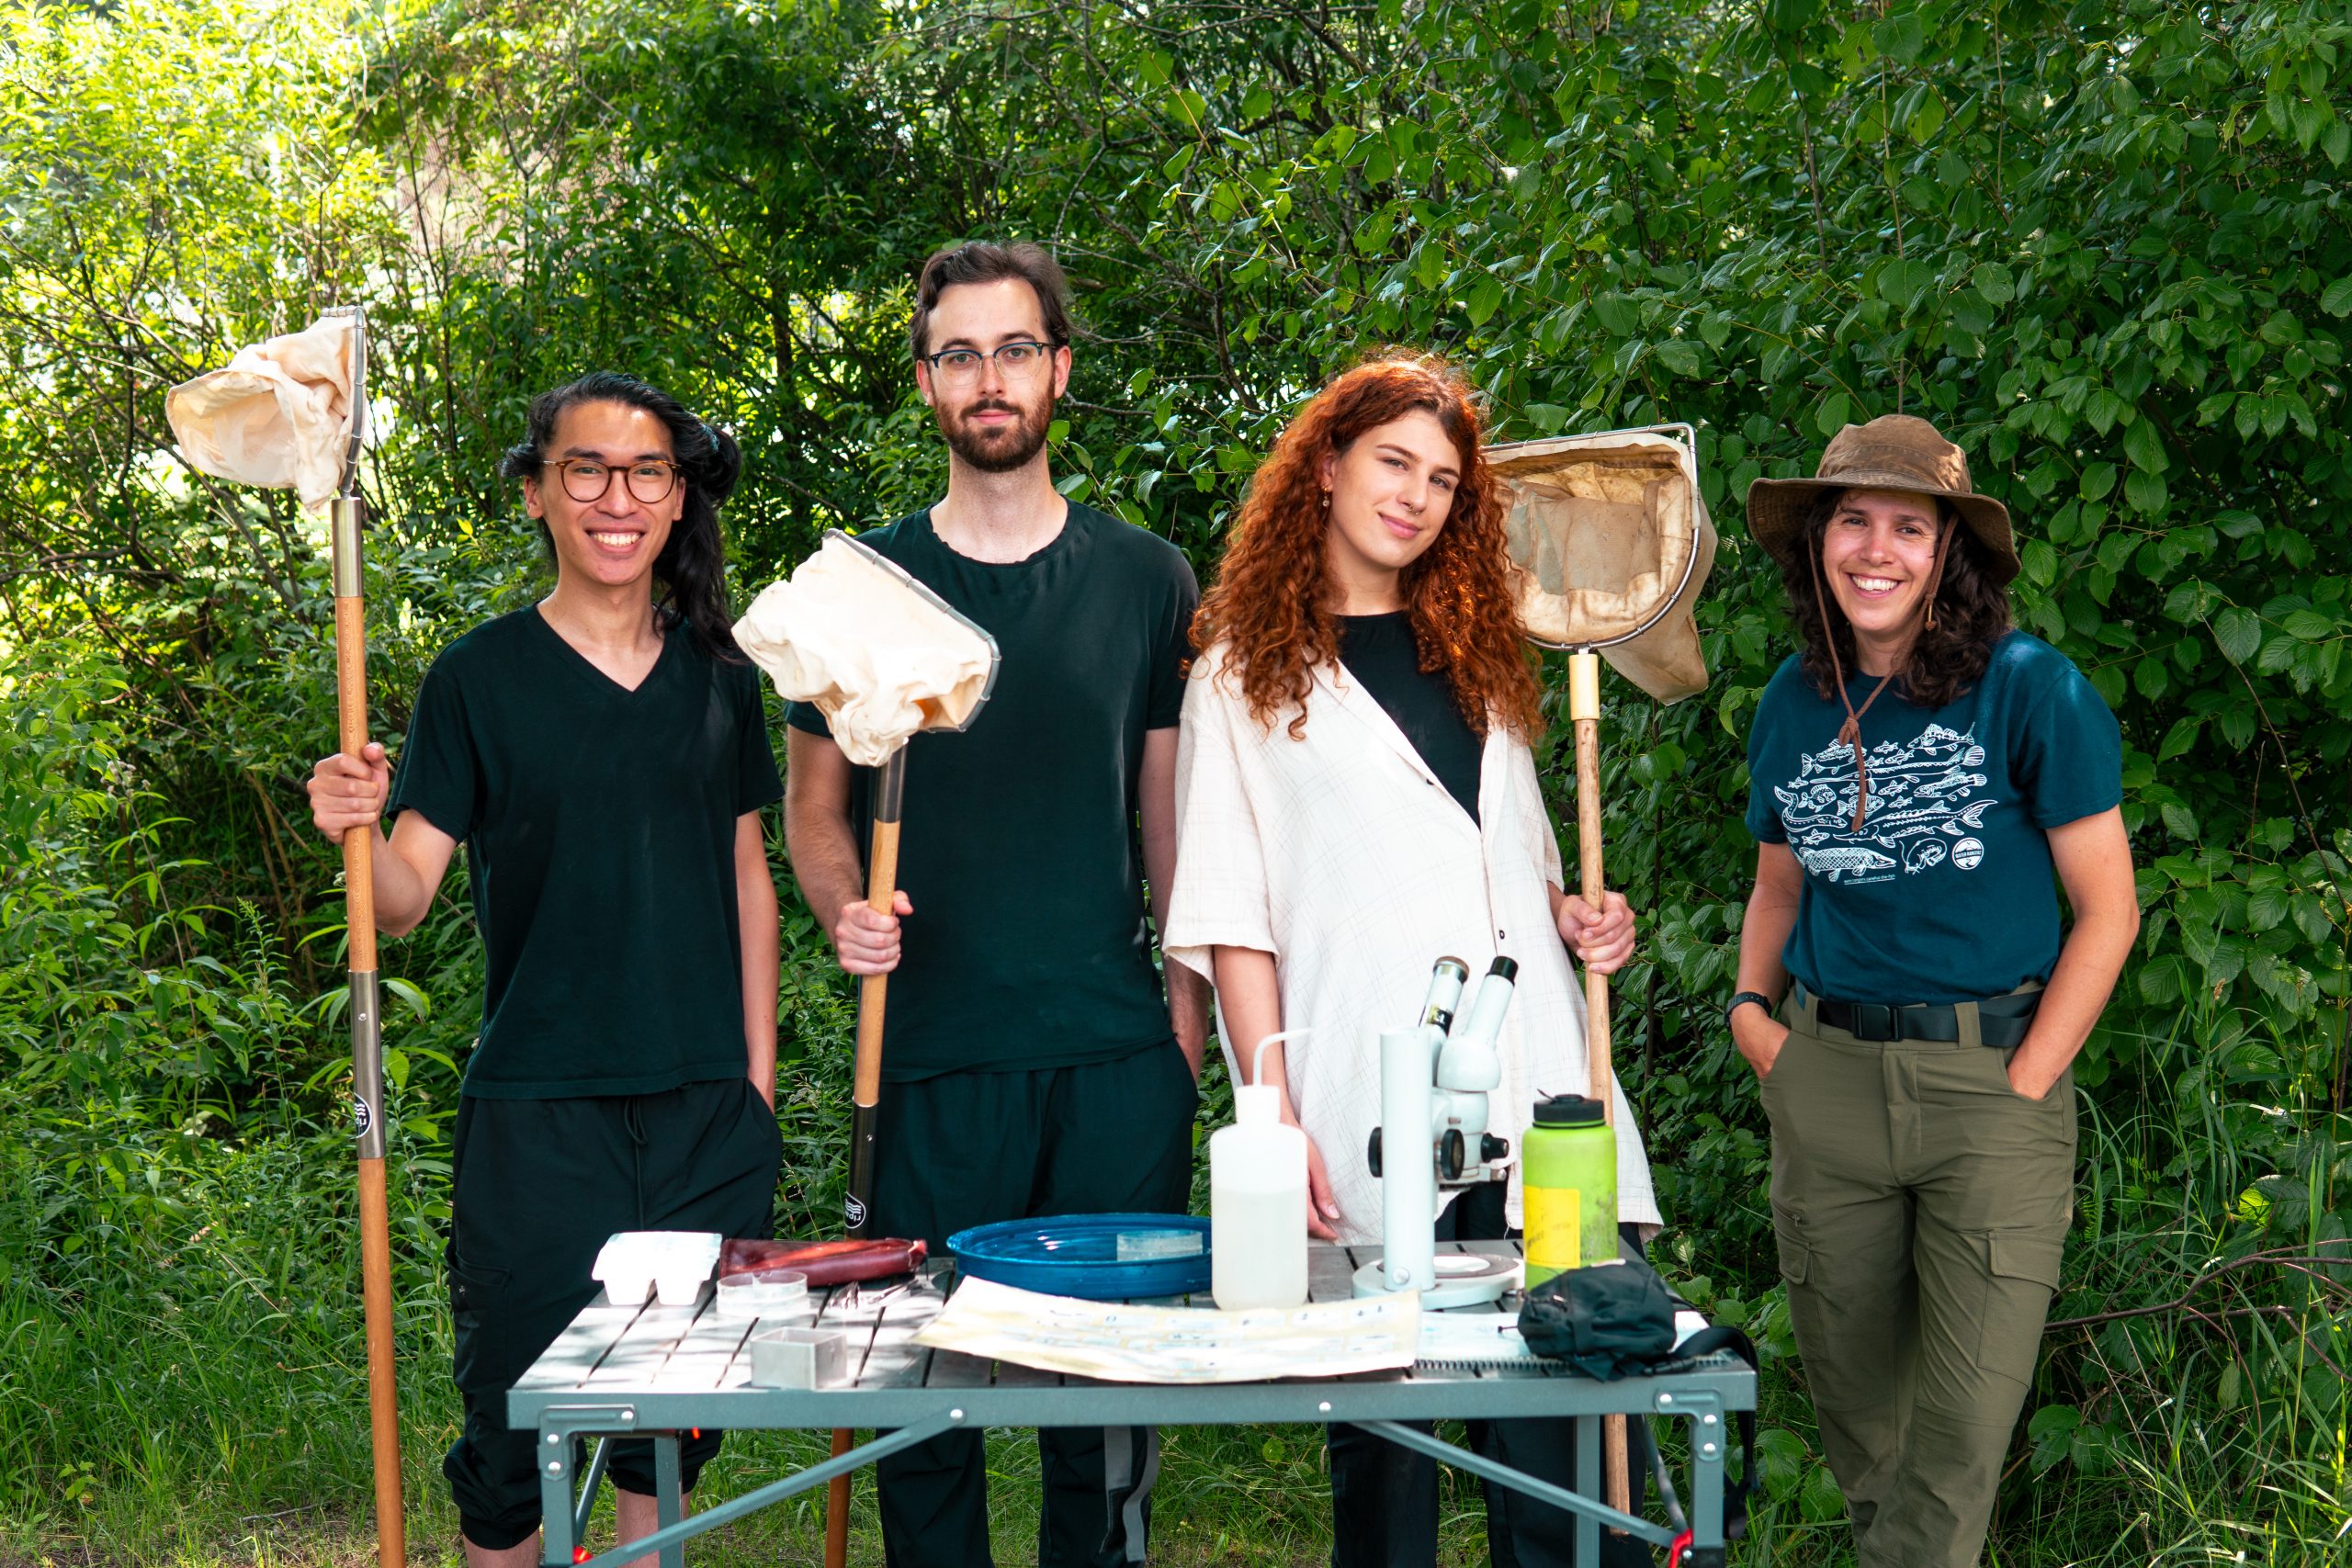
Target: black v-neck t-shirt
[1018,837]
[1379,651]
[599,828]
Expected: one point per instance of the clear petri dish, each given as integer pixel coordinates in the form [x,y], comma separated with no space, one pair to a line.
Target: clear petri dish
[764,1294]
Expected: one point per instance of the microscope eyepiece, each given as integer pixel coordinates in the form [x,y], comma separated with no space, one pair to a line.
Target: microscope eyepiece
[1446,980]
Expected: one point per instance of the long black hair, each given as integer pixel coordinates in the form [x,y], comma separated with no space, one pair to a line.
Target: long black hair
[692,568]
[1947,658]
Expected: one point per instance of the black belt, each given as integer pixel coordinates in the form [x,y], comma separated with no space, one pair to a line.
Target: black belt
[2002,1021]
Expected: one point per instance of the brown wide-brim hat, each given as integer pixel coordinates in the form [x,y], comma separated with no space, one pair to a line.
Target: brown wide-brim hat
[1894,451]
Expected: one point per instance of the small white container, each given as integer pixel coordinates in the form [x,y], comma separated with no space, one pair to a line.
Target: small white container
[1257,1200]
[799,1358]
[775,1294]
[672,1265]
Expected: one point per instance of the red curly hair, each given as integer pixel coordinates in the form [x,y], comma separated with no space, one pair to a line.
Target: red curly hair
[1271,601]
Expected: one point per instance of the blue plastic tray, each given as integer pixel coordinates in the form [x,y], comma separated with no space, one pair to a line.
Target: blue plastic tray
[1082,1255]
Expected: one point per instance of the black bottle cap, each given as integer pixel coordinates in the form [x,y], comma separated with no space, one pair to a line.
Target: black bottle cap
[1506,967]
[1569,1110]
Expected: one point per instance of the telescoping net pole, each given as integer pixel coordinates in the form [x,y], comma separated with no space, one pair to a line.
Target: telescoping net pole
[346,513]
[1584,711]
[1610,534]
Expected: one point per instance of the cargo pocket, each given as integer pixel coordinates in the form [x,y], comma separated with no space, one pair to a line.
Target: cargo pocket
[2021,1275]
[1796,1256]
[476,1295]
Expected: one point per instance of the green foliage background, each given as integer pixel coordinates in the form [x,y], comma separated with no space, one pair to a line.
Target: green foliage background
[2105,246]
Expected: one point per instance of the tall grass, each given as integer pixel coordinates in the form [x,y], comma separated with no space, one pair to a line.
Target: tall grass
[183,1379]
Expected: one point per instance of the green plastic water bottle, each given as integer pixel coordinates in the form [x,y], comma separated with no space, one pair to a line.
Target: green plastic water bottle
[1569,1188]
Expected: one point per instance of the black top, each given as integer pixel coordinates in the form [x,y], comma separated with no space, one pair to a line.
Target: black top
[1018,847]
[1378,651]
[599,827]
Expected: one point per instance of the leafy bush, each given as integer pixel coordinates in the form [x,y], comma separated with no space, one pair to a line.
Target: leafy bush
[2104,245]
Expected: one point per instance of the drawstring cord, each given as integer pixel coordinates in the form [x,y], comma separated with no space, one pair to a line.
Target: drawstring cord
[633,1123]
[1850,733]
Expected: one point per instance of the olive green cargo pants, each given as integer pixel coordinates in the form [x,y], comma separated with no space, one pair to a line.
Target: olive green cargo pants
[1920,1204]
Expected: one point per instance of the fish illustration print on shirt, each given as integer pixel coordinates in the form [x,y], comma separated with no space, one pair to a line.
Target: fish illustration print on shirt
[1926,807]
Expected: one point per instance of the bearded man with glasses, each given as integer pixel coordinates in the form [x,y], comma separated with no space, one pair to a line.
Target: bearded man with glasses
[1034,1067]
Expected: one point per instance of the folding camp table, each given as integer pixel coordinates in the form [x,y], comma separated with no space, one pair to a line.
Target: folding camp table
[657,1371]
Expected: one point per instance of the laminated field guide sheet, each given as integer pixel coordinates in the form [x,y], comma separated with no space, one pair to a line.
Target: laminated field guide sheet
[1176,1344]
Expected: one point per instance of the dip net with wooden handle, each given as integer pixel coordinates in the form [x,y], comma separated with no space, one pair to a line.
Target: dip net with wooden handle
[1613,545]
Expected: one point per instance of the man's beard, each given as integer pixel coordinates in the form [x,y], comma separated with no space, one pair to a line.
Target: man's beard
[1009,446]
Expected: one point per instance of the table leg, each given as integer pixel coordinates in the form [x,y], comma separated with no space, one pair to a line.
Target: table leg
[668,1499]
[1588,1482]
[1708,1440]
[586,1498]
[558,1530]
[1591,1513]
[667,1540]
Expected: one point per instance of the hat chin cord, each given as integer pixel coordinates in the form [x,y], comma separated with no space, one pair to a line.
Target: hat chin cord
[1850,733]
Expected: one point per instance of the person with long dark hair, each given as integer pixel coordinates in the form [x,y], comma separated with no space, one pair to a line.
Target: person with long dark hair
[604,757]
[1919,770]
[1357,797]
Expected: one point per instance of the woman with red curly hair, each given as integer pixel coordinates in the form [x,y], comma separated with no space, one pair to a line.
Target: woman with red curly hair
[1356,796]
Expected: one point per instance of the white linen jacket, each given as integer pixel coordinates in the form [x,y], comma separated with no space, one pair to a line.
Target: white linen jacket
[1342,854]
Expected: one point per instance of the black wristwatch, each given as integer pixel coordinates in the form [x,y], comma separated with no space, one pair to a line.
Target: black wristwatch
[1743,999]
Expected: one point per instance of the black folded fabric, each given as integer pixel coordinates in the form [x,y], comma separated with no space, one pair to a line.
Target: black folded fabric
[1605,1322]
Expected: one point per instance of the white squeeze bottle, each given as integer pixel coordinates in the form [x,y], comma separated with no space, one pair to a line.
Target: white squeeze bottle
[1258,1198]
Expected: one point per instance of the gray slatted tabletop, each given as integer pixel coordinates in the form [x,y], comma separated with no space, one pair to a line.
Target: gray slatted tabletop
[661,1371]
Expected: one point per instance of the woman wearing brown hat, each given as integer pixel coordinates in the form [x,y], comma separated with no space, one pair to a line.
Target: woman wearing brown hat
[1918,772]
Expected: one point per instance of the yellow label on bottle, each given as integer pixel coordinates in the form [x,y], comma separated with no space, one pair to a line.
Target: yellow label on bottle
[1554,1226]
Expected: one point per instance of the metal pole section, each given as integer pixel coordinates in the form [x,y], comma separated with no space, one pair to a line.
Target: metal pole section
[345,515]
[1584,709]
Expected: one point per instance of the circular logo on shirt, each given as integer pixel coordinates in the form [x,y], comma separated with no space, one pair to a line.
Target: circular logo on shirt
[854,1211]
[1966,854]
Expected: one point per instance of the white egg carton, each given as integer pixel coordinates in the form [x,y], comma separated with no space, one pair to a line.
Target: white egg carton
[670,1265]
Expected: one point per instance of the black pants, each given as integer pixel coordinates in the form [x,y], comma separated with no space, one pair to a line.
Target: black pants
[1384,1497]
[970,1148]
[537,1186]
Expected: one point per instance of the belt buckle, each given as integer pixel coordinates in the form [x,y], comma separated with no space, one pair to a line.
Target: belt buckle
[1875,1021]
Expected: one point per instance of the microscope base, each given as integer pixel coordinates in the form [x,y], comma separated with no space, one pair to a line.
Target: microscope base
[1463,1280]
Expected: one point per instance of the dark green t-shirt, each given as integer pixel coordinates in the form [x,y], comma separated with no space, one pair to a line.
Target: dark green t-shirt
[1947,894]
[599,828]
[1028,947]
[1379,650]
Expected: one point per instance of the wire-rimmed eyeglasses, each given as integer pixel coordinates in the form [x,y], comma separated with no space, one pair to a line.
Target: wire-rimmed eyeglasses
[1015,359]
[587,479]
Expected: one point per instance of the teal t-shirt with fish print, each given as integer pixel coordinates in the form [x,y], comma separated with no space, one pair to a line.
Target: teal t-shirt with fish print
[1946,894]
